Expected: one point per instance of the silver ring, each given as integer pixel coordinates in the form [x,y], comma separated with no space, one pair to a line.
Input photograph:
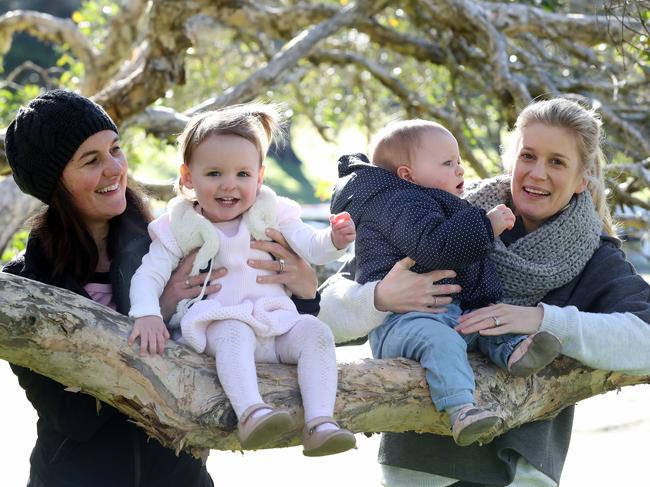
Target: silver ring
[187,282]
[282,262]
[435,301]
[496,321]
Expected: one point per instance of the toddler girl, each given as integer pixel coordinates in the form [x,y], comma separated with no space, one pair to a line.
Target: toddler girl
[221,206]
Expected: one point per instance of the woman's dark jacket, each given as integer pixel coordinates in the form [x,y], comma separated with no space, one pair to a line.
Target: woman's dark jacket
[396,219]
[607,284]
[77,445]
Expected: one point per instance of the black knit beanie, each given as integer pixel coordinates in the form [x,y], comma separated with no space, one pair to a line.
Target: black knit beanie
[45,135]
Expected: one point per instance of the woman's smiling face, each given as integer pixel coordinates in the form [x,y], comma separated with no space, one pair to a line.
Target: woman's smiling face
[95,177]
[547,173]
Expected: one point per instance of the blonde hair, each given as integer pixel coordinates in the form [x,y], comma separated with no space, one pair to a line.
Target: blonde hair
[259,123]
[586,125]
[395,144]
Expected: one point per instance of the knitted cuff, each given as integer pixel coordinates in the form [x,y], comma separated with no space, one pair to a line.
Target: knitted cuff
[555,322]
[144,310]
[307,306]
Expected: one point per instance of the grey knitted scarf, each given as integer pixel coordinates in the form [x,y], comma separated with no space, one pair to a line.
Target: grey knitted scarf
[546,258]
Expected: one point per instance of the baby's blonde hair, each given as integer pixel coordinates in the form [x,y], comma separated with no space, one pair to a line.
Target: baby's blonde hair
[259,123]
[396,143]
[586,125]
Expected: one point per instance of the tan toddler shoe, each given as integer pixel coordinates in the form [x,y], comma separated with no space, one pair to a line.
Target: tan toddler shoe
[328,442]
[533,354]
[257,432]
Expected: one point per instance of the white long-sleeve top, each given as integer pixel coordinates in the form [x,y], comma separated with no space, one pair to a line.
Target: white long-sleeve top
[267,308]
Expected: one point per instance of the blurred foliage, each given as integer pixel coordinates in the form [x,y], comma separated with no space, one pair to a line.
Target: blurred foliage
[16,246]
[27,47]
[11,100]
[150,158]
[334,98]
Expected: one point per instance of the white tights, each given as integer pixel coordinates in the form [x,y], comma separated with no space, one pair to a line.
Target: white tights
[309,344]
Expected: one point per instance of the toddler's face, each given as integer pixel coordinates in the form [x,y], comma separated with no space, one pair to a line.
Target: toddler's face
[436,163]
[225,173]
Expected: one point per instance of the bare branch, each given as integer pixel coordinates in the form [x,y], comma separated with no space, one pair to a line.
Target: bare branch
[120,42]
[46,28]
[289,56]
[161,191]
[637,143]
[160,121]
[513,19]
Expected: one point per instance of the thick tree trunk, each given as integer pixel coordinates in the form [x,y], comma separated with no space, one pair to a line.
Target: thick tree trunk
[176,397]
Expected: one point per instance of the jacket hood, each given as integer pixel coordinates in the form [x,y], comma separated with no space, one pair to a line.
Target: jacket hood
[360,181]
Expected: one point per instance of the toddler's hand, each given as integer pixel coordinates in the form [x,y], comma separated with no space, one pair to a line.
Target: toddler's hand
[343,230]
[501,217]
[152,332]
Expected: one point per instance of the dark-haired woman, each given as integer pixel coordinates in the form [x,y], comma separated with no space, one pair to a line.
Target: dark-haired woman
[64,150]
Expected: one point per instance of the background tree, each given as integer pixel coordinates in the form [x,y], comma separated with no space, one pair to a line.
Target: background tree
[471,65]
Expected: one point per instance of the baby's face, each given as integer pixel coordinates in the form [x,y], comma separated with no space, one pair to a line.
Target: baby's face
[226,174]
[436,163]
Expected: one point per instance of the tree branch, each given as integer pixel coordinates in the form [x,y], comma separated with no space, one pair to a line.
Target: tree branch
[289,56]
[176,398]
[120,42]
[46,28]
[513,19]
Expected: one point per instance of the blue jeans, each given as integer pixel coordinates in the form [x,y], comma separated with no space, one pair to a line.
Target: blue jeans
[442,351]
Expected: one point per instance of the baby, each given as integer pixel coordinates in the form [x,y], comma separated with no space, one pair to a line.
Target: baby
[407,203]
[221,206]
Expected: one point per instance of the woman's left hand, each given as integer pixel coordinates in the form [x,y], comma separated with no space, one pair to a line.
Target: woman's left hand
[499,319]
[290,269]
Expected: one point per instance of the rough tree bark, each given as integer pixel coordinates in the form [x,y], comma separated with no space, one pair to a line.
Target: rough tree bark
[176,397]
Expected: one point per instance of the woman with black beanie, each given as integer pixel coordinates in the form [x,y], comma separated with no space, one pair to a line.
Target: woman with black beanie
[90,238]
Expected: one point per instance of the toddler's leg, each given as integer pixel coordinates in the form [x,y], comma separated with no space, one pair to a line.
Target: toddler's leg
[442,352]
[431,340]
[310,345]
[232,343]
[499,348]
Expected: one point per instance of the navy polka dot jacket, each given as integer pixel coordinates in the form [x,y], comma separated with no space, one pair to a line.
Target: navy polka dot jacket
[396,218]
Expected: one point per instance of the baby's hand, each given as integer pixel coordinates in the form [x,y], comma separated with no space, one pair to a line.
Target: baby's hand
[343,230]
[501,217]
[152,332]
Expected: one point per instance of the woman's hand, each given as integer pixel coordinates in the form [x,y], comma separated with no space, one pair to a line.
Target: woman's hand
[153,335]
[181,286]
[499,319]
[290,269]
[401,290]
